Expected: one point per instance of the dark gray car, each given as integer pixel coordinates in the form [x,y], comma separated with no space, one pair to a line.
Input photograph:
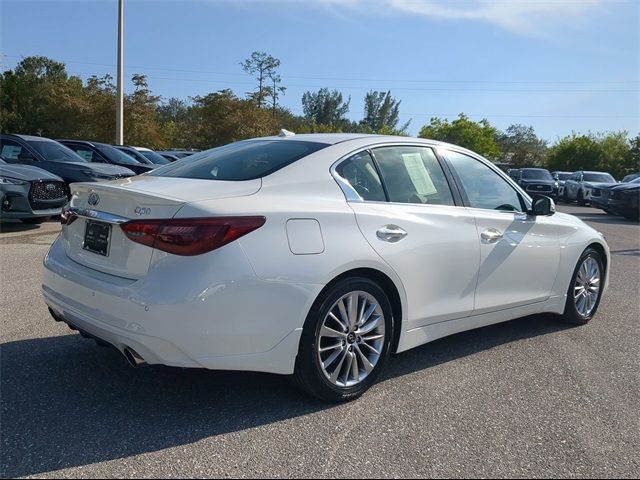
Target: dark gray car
[30,194]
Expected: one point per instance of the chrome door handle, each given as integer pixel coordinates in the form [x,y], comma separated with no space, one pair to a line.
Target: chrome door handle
[491,235]
[391,233]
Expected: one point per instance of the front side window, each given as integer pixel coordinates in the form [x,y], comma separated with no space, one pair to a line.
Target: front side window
[360,172]
[413,175]
[246,160]
[484,187]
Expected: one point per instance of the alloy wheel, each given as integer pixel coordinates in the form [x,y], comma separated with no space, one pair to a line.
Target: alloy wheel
[351,339]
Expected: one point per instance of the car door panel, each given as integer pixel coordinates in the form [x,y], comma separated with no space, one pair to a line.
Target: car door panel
[520,266]
[437,260]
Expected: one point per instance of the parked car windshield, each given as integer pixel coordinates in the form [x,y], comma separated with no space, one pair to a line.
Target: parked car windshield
[55,152]
[536,174]
[116,156]
[598,177]
[563,175]
[154,157]
[245,160]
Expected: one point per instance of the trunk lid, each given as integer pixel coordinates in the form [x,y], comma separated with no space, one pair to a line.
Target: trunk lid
[137,198]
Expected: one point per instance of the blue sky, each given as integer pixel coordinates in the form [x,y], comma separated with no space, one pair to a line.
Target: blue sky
[559,65]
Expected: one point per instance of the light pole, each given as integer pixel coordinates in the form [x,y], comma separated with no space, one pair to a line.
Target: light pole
[120,93]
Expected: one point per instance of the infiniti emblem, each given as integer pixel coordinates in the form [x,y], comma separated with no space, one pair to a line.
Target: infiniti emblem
[94,199]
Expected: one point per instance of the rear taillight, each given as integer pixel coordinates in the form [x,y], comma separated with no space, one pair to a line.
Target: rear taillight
[190,236]
[66,217]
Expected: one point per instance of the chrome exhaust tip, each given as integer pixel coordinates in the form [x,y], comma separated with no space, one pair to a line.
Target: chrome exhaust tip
[133,358]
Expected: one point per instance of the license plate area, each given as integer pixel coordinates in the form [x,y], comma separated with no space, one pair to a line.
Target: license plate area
[97,236]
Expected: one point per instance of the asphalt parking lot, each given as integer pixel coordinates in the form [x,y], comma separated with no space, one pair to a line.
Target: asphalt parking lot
[531,397]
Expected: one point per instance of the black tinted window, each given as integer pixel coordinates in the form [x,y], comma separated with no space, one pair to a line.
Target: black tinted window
[238,161]
[361,174]
[536,174]
[55,152]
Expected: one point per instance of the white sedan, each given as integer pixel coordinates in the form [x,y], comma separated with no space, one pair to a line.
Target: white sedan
[314,255]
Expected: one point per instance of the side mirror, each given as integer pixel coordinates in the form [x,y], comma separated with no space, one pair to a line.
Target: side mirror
[542,206]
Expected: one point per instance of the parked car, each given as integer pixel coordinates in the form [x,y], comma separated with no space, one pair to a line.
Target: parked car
[600,196]
[537,180]
[513,173]
[630,177]
[57,159]
[30,194]
[169,156]
[624,200]
[103,153]
[578,187]
[560,177]
[178,153]
[135,154]
[314,255]
[152,156]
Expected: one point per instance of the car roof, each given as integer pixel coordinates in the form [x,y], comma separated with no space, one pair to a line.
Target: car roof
[28,138]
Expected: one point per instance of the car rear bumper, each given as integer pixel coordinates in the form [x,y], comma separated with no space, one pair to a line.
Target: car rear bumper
[202,320]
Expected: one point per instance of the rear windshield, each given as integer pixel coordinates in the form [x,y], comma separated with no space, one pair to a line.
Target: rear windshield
[598,177]
[564,175]
[246,160]
[55,152]
[536,174]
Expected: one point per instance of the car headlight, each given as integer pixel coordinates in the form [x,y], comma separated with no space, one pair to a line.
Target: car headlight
[98,176]
[11,181]
[556,184]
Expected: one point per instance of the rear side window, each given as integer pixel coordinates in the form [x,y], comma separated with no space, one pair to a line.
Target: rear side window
[246,160]
[413,175]
[361,174]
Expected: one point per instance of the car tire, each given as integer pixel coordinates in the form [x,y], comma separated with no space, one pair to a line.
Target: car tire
[315,370]
[580,198]
[34,220]
[581,289]
[565,197]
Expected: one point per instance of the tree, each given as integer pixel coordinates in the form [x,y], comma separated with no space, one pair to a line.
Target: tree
[634,155]
[221,117]
[610,152]
[38,97]
[479,137]
[263,67]
[381,114]
[521,147]
[325,107]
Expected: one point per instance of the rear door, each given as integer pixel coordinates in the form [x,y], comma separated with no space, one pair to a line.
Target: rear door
[413,223]
[519,253]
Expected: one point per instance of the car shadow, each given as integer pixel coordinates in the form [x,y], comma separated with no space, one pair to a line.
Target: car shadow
[10,227]
[67,402]
[605,218]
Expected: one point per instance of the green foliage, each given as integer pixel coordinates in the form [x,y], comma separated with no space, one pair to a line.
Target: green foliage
[521,147]
[325,107]
[479,137]
[263,67]
[381,114]
[38,97]
[221,117]
[610,152]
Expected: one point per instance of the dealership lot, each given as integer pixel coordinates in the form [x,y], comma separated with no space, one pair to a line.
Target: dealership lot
[529,397]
